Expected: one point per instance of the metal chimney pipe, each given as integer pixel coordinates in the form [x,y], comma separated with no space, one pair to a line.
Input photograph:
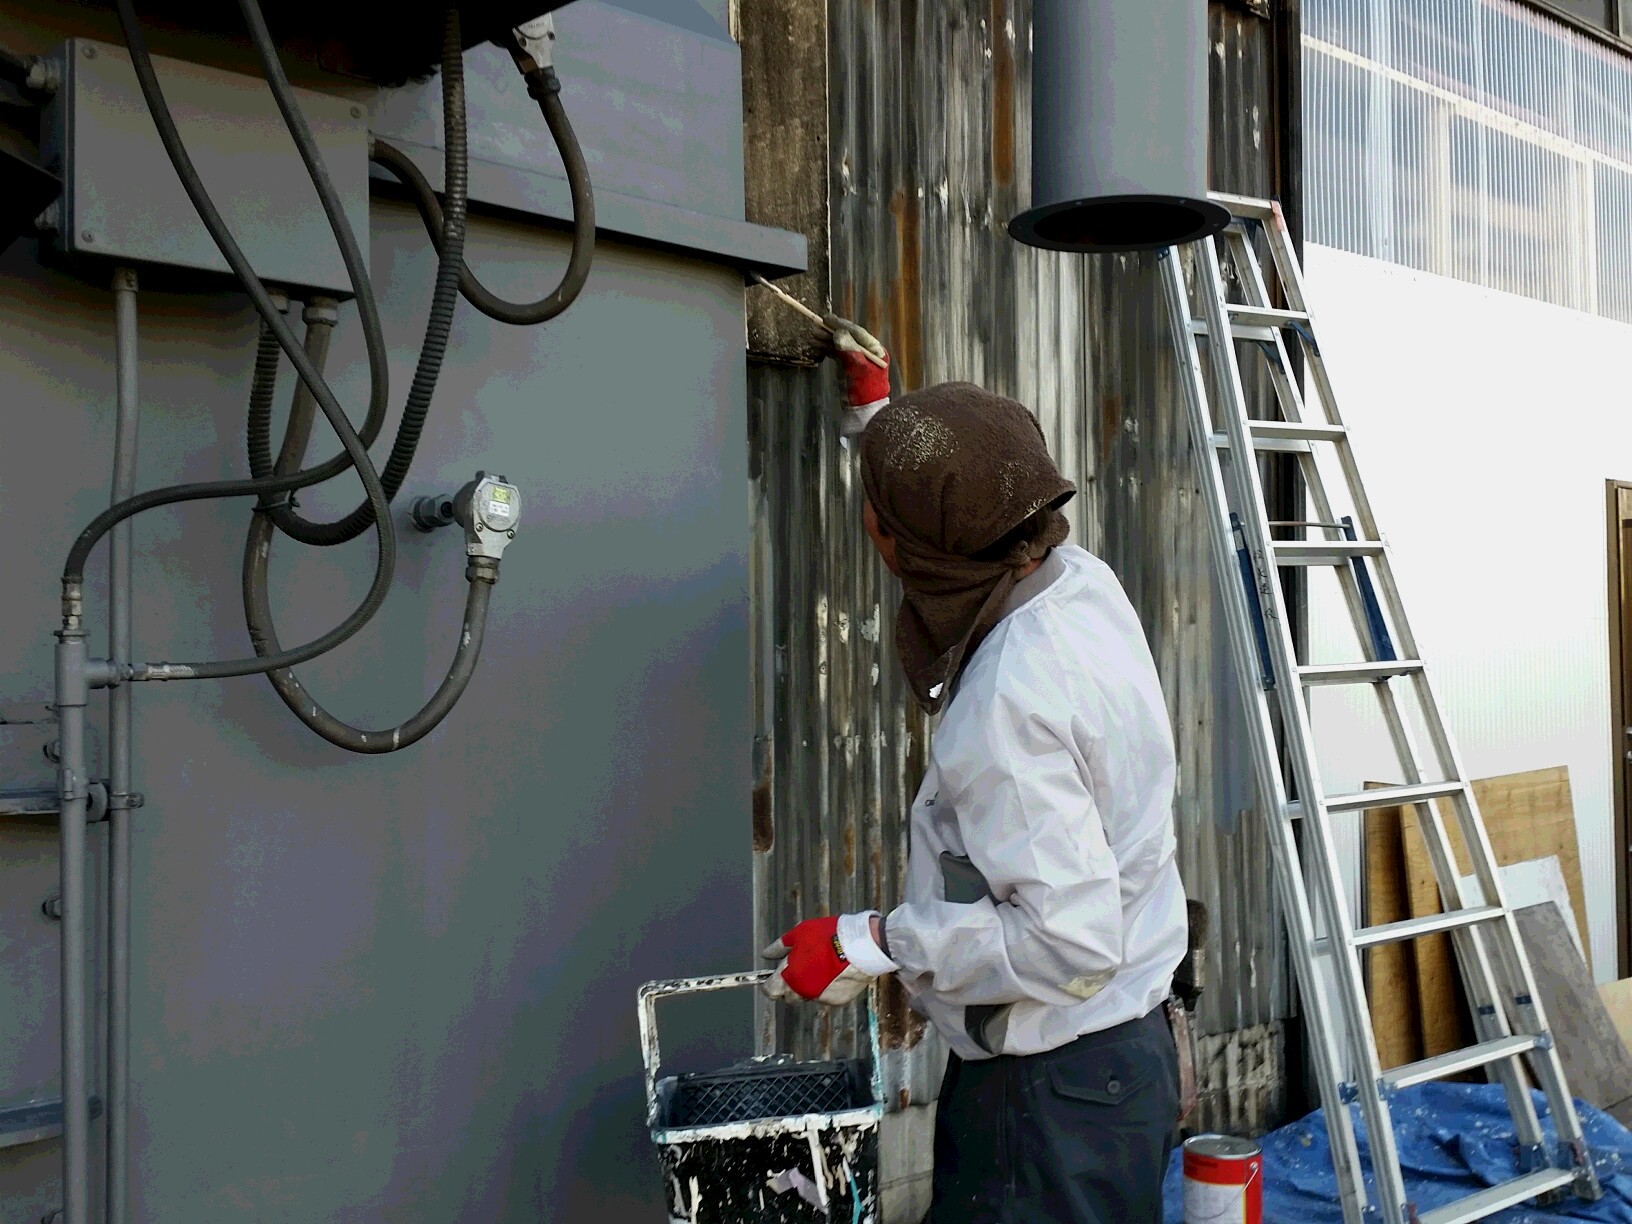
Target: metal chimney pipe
[1118,126]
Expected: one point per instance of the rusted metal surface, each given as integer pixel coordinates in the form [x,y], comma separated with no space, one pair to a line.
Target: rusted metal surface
[929,146]
[784,128]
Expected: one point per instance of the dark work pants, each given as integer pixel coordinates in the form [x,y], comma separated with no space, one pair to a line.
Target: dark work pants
[1079,1135]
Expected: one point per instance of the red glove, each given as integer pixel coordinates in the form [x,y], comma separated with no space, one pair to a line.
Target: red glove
[827,960]
[864,367]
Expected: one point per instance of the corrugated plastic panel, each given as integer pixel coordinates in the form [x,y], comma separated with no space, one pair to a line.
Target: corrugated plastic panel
[1479,139]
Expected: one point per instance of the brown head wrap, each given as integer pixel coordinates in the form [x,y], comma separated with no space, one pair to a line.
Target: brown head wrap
[951,470]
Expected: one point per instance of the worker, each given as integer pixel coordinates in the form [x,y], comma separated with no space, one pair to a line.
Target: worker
[1044,915]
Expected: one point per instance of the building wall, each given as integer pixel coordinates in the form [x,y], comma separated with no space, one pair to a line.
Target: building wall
[928,139]
[403,987]
[1496,528]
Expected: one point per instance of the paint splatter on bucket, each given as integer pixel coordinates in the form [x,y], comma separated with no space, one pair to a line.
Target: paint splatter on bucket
[1223,1181]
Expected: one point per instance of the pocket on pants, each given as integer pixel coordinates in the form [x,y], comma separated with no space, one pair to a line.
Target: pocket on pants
[1110,1077]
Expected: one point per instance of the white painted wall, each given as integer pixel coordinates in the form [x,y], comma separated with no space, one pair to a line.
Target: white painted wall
[1485,425]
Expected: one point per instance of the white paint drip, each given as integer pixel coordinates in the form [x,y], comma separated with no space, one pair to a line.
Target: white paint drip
[818,1167]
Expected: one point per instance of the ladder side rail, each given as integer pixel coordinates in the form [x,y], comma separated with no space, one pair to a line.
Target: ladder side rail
[1511,946]
[1272,793]
[1484,989]
[1489,1020]
[1318,835]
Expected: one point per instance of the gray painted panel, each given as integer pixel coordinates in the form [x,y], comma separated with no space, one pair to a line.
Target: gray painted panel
[771,252]
[403,987]
[123,201]
[653,104]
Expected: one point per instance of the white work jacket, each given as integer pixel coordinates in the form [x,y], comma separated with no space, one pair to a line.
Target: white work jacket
[1043,899]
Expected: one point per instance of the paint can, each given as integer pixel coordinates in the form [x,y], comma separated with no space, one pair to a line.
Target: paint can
[1223,1180]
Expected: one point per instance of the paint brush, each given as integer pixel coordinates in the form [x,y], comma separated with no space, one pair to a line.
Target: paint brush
[807,312]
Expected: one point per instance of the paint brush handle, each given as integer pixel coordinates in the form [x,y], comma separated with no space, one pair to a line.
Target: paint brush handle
[811,315]
[792,301]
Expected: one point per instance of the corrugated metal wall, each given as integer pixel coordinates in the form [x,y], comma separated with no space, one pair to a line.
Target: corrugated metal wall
[929,152]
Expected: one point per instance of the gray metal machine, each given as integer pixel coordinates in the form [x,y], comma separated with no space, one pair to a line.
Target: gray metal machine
[267,184]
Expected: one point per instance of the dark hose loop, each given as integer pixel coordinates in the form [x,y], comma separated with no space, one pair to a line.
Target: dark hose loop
[444,300]
[351,255]
[544,86]
[164,121]
[258,613]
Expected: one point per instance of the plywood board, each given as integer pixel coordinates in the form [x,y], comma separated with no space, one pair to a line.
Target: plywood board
[1391,970]
[1596,1062]
[1617,997]
[1526,816]
[1443,1019]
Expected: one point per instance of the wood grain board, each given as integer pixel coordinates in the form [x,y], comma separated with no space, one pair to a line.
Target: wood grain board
[1527,816]
[1391,969]
[1617,997]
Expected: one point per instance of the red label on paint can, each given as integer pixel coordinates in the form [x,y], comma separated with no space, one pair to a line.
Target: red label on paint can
[1223,1181]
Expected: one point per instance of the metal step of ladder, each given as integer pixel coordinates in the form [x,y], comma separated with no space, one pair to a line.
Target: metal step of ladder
[1254,556]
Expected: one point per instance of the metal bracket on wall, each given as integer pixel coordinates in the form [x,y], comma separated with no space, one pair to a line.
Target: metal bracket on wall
[42,804]
[35,1121]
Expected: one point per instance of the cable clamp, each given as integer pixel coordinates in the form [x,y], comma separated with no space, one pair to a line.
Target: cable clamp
[534,43]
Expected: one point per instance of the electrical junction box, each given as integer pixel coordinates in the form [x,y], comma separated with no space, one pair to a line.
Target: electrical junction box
[122,199]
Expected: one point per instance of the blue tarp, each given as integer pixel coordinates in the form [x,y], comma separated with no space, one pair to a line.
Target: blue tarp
[1454,1139]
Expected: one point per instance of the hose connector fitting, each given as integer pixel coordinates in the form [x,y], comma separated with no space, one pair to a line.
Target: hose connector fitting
[534,45]
[488,508]
[73,606]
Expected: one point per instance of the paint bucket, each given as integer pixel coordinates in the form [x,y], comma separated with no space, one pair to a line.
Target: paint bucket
[769,1140]
[1223,1181]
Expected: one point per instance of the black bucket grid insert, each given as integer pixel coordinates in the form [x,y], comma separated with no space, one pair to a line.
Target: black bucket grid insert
[756,1091]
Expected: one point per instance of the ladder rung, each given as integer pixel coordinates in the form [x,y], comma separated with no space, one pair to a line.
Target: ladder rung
[1357,673]
[1241,331]
[1393,796]
[1465,1059]
[1432,924]
[1243,206]
[1504,1194]
[1287,446]
[1263,316]
[1323,552]
[1308,431]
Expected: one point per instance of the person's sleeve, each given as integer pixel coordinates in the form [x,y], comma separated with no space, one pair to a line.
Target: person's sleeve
[1051,932]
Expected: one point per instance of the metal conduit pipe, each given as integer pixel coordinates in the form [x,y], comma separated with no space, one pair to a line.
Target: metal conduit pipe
[121,799]
[1118,126]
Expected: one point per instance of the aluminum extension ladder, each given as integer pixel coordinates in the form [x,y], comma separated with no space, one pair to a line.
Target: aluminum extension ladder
[1249,553]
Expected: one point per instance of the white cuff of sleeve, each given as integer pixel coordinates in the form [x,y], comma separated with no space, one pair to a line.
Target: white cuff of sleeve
[853,420]
[856,938]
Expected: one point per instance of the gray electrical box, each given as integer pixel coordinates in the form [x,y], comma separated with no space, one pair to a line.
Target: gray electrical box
[123,200]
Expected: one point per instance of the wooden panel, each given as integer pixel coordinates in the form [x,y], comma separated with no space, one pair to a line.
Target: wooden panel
[1596,1062]
[1527,816]
[1391,970]
[1617,997]
[1443,1020]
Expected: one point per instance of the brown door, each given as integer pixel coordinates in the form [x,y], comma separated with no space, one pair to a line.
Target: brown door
[1620,650]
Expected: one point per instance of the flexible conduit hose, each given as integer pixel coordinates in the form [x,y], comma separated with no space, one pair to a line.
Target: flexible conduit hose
[451,241]
[351,255]
[481,573]
[355,449]
[545,88]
